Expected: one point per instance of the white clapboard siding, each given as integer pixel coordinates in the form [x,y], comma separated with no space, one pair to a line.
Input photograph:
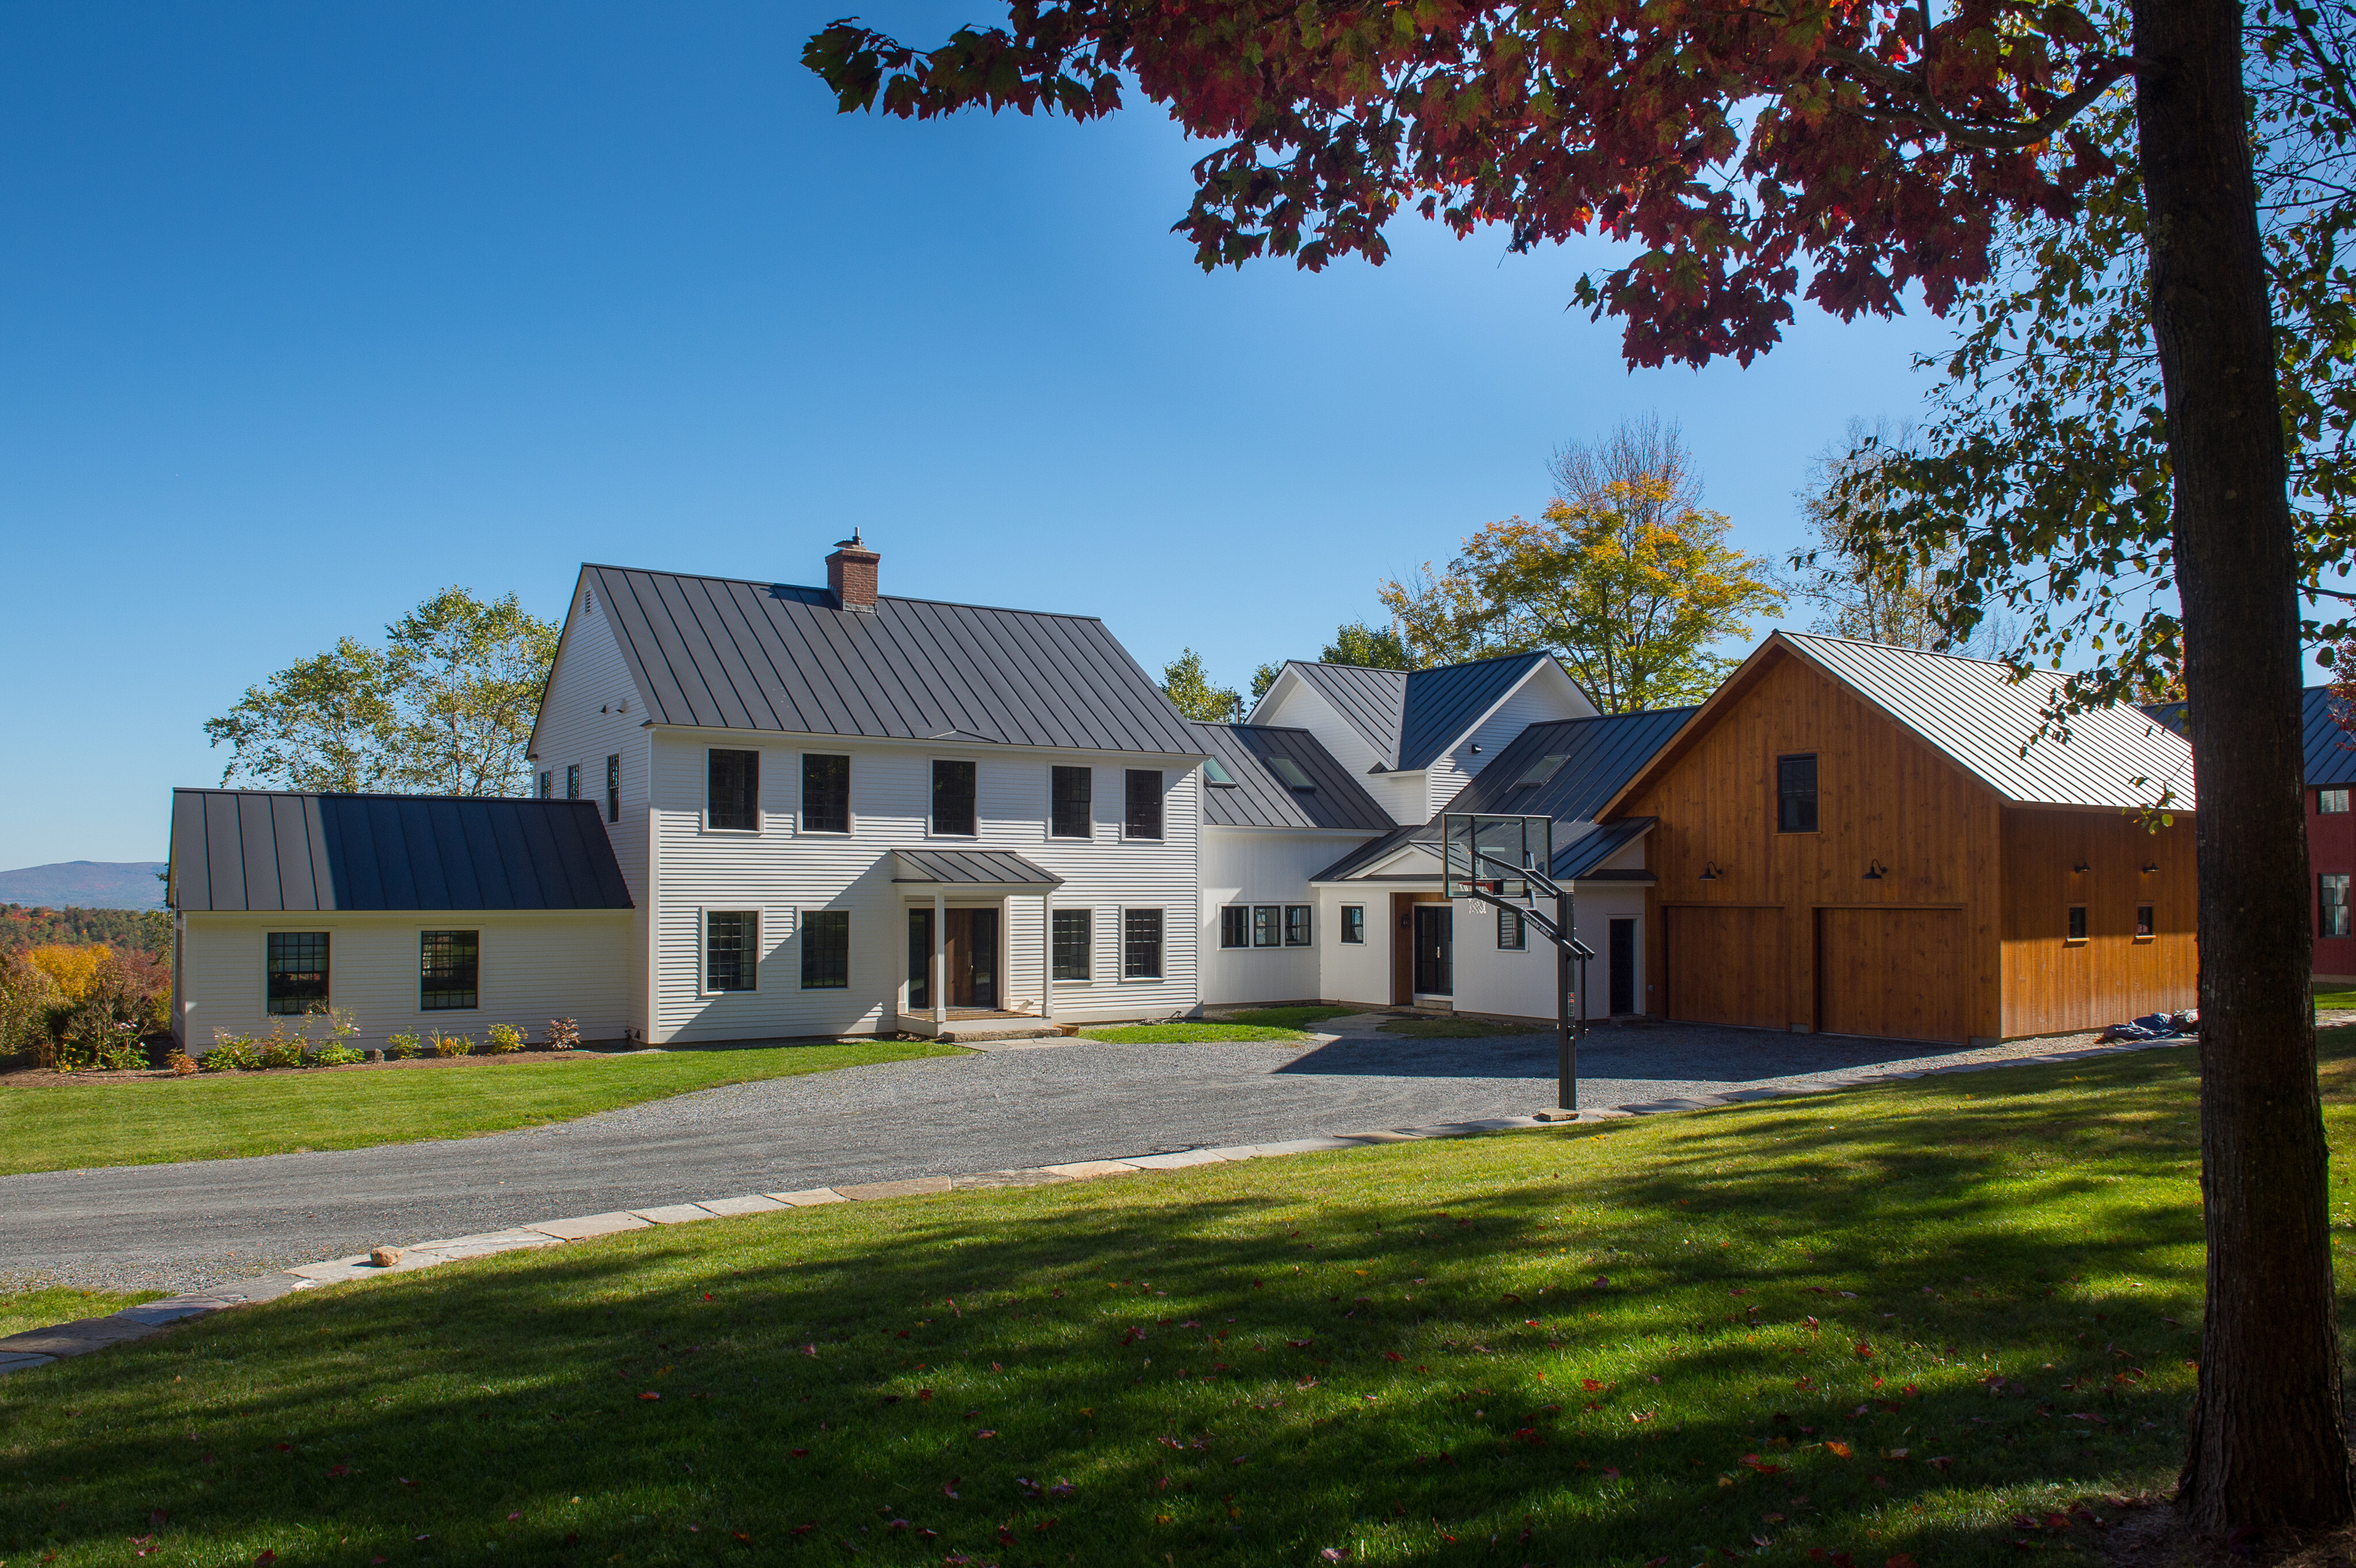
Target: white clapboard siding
[1543,697]
[1354,971]
[535,965]
[781,873]
[1250,866]
[593,710]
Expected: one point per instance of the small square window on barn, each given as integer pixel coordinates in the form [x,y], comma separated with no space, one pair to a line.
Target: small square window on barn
[2331,911]
[2143,921]
[2077,922]
[2331,803]
[1795,794]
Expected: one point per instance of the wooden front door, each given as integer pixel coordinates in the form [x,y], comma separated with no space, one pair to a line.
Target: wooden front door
[1726,965]
[972,957]
[1894,973]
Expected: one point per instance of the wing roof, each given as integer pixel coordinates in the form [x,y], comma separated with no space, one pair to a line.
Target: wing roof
[1259,798]
[1411,716]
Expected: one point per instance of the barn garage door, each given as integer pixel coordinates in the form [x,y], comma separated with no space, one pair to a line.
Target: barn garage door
[1726,966]
[1897,974]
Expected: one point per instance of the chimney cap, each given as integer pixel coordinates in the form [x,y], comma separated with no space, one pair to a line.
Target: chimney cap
[853,542]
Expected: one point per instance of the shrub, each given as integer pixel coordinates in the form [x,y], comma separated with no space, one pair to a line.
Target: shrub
[231,1053]
[564,1033]
[396,1047]
[451,1044]
[103,1005]
[504,1038]
[278,1049]
[120,1050]
[26,993]
[337,1055]
[181,1064]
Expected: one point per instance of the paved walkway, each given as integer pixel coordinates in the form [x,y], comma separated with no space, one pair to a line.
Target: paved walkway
[188,1226]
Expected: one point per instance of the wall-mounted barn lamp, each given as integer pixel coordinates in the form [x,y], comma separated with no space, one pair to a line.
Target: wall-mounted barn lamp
[2081,868]
[2149,866]
[1874,870]
[1709,871]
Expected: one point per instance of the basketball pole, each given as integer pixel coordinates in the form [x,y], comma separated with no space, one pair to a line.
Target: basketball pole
[1566,1048]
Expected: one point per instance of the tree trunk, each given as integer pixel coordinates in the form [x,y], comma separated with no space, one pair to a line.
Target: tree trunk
[2268,1444]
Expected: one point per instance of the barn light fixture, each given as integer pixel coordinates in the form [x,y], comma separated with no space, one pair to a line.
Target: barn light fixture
[1709,871]
[1874,870]
[2081,868]
[2149,866]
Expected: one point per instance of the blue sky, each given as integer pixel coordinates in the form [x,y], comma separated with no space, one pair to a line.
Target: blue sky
[310,310]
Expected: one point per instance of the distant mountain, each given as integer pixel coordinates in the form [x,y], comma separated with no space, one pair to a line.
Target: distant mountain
[86,884]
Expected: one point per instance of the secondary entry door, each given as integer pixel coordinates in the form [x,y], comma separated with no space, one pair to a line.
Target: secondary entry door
[1435,949]
[1622,958]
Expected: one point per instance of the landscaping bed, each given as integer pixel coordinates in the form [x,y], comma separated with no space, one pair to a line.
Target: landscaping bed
[1944,1322]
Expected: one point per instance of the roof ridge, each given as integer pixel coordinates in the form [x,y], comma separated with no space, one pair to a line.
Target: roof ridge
[375,795]
[1901,648]
[811,588]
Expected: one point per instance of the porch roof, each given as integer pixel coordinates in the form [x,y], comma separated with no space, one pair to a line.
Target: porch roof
[969,868]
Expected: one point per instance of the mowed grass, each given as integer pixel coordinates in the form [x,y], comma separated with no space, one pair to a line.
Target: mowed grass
[52,1304]
[1899,1320]
[1288,1018]
[72,1122]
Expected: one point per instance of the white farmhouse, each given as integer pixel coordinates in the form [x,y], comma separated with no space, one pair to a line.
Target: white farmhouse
[786,812]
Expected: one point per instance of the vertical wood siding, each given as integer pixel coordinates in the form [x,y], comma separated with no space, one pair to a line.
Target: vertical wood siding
[783,874]
[2051,983]
[534,966]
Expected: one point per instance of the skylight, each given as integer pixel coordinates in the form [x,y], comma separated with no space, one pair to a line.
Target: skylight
[1542,770]
[1295,777]
[1216,772]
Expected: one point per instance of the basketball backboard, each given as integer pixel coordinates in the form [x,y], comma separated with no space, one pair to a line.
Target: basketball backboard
[1473,844]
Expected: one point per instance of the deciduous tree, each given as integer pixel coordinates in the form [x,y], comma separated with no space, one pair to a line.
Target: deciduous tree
[1186,685]
[1848,151]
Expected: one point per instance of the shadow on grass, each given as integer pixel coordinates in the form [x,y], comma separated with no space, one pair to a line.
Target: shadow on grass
[1610,1345]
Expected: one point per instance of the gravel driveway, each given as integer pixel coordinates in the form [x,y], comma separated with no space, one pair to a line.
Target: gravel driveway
[185,1225]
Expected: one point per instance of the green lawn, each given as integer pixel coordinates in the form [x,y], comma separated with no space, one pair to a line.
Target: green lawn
[1185,1031]
[1923,1319]
[1288,1018]
[52,1304]
[1451,1028]
[74,1120]
[2335,996]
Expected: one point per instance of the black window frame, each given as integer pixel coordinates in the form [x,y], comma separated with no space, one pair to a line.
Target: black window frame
[2337,797]
[1143,933]
[833,798]
[2146,922]
[1300,926]
[744,958]
[825,948]
[1063,945]
[2074,926]
[288,967]
[1792,802]
[458,960]
[1141,804]
[547,783]
[1513,931]
[2324,905]
[1235,925]
[948,770]
[1268,925]
[614,786]
[1354,923]
[743,813]
[572,781]
[1062,802]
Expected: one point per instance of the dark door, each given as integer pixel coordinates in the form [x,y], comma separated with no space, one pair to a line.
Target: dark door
[920,960]
[1435,949]
[1623,968]
[972,957]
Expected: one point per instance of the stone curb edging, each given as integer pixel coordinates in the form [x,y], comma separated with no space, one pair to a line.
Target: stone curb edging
[40,1346]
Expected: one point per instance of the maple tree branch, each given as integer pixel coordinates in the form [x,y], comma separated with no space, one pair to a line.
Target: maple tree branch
[1915,92]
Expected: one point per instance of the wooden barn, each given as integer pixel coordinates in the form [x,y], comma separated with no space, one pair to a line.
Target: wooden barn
[1851,840]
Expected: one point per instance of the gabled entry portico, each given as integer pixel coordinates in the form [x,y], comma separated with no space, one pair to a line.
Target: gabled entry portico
[957,903]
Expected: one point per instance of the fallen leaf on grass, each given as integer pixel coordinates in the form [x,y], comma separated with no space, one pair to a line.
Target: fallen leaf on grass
[651,1395]
[1838,1450]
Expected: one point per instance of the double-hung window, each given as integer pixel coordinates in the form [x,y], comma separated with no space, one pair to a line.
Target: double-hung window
[572,781]
[1074,932]
[1795,794]
[1140,944]
[2330,905]
[296,971]
[731,950]
[1354,922]
[733,791]
[449,963]
[2331,803]
[1143,820]
[1235,925]
[614,788]
[1296,925]
[546,778]
[826,794]
[1071,804]
[1510,934]
[953,811]
[826,950]
[1265,932]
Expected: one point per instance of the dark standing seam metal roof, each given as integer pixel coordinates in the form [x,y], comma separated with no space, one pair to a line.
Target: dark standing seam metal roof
[1599,756]
[1412,717]
[1583,855]
[715,652]
[267,850]
[986,867]
[2330,750]
[1261,799]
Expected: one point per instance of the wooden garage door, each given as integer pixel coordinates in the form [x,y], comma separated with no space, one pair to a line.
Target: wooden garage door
[1897,974]
[1726,966]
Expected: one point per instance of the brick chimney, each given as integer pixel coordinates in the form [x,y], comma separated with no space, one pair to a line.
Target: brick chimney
[850,573]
